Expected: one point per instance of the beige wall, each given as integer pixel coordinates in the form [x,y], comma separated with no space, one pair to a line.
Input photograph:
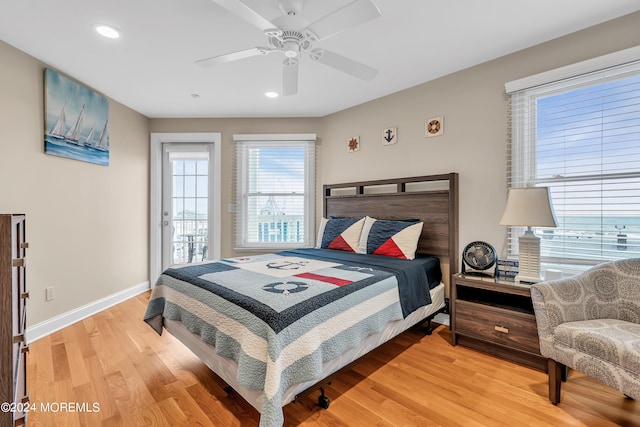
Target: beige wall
[228,127]
[475,109]
[86,224]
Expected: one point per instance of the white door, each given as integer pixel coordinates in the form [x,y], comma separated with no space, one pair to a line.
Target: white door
[185,199]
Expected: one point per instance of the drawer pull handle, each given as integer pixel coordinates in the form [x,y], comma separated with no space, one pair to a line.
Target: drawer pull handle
[501,329]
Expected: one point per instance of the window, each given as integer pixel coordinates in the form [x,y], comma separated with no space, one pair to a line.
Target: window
[189,194]
[580,136]
[275,191]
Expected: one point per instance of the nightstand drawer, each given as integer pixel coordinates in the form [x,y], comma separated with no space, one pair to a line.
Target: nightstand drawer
[509,328]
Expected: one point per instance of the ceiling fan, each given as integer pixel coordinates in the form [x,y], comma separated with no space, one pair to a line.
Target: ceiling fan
[293,35]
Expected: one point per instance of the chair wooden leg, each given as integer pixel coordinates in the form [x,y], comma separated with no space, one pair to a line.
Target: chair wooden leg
[555,380]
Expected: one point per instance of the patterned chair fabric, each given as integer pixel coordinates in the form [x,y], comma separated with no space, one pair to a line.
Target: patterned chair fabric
[591,323]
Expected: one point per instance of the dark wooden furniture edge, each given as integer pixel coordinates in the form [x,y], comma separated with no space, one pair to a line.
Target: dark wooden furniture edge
[496,349]
[386,206]
[437,208]
[13,296]
[503,352]
[6,326]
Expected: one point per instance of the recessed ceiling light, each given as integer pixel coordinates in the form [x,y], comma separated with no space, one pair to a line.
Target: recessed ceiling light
[107,31]
[195,96]
[271,94]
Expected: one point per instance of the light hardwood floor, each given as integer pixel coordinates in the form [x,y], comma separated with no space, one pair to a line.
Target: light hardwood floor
[138,378]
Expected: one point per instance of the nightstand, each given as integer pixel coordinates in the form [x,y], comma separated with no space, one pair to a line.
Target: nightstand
[496,317]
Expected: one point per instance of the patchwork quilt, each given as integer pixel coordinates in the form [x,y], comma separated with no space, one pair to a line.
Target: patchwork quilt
[281,316]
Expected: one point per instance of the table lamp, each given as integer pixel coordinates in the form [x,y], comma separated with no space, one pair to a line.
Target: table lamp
[529,207]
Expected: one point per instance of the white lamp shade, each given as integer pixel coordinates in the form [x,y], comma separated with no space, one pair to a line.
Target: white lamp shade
[529,207]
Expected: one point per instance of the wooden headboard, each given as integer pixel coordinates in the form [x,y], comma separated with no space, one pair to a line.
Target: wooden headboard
[432,199]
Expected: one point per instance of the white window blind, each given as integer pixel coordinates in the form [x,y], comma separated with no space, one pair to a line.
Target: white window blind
[580,136]
[275,191]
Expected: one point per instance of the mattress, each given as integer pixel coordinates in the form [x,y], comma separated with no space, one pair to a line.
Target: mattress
[227,369]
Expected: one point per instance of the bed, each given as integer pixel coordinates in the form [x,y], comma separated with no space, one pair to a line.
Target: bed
[273,326]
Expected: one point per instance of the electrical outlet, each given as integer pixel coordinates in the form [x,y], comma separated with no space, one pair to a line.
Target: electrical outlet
[51,293]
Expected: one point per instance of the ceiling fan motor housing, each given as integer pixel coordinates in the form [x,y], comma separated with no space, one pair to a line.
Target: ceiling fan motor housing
[293,35]
[292,38]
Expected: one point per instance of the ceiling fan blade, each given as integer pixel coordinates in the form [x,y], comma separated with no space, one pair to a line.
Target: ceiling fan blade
[234,56]
[245,12]
[354,13]
[289,77]
[344,64]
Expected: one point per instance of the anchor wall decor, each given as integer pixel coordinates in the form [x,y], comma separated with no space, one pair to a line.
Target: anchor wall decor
[390,136]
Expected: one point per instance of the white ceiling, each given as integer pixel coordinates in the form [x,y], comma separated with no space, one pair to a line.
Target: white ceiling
[151,68]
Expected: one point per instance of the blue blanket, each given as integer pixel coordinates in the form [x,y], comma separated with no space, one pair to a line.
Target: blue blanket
[281,316]
[415,277]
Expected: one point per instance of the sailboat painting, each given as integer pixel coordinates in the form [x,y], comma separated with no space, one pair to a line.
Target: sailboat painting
[76,120]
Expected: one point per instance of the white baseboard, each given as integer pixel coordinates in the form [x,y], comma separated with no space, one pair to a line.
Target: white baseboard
[42,329]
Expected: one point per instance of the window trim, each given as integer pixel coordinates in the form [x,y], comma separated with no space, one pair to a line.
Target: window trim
[310,185]
[581,68]
[522,137]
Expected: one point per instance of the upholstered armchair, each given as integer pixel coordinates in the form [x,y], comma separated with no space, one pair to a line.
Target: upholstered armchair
[591,323]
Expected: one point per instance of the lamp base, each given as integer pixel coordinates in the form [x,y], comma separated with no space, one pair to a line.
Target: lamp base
[529,258]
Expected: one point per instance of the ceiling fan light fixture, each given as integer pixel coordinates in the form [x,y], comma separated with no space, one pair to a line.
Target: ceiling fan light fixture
[291,49]
[107,31]
[293,35]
